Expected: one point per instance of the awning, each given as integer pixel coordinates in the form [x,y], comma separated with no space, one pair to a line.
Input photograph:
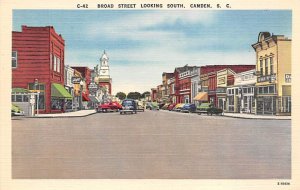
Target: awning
[58,91]
[85,97]
[93,99]
[19,90]
[202,96]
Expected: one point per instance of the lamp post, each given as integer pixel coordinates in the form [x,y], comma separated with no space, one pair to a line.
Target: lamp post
[80,100]
[36,83]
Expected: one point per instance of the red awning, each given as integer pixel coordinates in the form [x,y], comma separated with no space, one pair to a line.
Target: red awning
[85,97]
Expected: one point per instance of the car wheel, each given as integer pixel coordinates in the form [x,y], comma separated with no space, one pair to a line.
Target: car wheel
[121,113]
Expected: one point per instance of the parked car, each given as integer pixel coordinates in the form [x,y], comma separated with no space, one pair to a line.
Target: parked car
[141,105]
[178,107]
[171,106]
[109,106]
[154,106]
[189,108]
[165,107]
[129,106]
[160,105]
[202,108]
[214,110]
[16,110]
[209,109]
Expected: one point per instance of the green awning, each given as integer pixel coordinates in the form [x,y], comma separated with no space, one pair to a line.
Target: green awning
[20,90]
[57,90]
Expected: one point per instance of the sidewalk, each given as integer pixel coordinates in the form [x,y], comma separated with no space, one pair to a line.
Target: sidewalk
[81,113]
[252,116]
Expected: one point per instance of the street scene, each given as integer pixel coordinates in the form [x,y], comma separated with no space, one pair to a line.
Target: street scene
[151,145]
[189,95]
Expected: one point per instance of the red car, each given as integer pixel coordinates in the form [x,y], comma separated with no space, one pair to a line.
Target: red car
[171,106]
[110,106]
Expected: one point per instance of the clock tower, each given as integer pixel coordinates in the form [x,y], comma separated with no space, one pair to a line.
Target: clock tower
[104,74]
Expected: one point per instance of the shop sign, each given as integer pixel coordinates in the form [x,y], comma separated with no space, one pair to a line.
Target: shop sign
[76,80]
[288,78]
[221,80]
[221,90]
[270,78]
[204,89]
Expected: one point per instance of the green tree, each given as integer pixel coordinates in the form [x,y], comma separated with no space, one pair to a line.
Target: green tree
[145,94]
[121,95]
[134,95]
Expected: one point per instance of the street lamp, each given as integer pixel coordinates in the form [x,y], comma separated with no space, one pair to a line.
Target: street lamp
[80,100]
[36,83]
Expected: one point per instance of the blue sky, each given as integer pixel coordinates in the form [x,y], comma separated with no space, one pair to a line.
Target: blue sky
[143,44]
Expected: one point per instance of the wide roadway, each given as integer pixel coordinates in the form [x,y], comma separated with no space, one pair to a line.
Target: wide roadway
[151,144]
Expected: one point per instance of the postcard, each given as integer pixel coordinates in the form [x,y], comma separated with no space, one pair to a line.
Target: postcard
[149,95]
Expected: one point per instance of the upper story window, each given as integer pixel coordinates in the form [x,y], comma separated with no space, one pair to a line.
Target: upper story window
[14,59]
[58,64]
[271,65]
[266,66]
[54,63]
[261,66]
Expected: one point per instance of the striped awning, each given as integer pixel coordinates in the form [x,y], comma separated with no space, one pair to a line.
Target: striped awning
[201,96]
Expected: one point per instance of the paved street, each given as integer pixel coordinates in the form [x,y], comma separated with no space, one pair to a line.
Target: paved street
[153,144]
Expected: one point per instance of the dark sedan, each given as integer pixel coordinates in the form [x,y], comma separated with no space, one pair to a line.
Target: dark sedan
[189,108]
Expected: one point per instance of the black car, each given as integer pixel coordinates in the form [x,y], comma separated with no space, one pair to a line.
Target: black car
[129,106]
[191,108]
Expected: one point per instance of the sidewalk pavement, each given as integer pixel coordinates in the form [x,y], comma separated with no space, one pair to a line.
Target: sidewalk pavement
[252,116]
[83,113]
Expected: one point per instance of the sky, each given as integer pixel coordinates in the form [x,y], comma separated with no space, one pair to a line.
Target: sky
[141,45]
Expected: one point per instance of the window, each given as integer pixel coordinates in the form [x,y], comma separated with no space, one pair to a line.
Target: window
[261,66]
[271,66]
[58,64]
[14,59]
[266,66]
[54,63]
[271,89]
[51,61]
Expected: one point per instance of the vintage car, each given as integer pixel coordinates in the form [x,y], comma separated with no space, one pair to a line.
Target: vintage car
[141,105]
[152,106]
[109,106]
[171,106]
[16,110]
[165,107]
[129,106]
[188,108]
[178,107]
[209,109]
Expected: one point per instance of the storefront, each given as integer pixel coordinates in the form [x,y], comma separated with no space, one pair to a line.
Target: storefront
[266,100]
[59,97]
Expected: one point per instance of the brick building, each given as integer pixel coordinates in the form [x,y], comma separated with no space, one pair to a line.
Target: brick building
[38,66]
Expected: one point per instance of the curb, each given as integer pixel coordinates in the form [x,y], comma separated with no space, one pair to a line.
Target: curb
[255,118]
[62,116]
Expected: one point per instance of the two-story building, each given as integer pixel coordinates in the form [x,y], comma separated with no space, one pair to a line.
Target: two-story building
[273,69]
[38,57]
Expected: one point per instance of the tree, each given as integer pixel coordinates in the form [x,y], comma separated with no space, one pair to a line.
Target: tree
[134,95]
[145,94]
[121,95]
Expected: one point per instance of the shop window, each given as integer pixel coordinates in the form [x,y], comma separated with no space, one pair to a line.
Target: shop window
[260,90]
[14,59]
[271,90]
[266,90]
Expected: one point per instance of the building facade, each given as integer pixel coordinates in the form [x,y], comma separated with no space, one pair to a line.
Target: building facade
[69,86]
[273,70]
[38,65]
[195,84]
[103,76]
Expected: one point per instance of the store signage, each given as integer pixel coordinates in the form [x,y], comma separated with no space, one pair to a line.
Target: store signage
[221,90]
[221,80]
[270,78]
[76,80]
[288,78]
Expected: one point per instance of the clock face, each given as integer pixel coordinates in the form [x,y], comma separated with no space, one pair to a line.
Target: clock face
[103,71]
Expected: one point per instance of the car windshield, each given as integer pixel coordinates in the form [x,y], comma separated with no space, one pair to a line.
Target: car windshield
[127,103]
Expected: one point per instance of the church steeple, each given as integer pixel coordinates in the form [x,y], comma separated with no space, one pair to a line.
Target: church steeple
[104,67]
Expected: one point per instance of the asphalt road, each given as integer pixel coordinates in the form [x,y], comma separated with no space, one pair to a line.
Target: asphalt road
[153,144]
